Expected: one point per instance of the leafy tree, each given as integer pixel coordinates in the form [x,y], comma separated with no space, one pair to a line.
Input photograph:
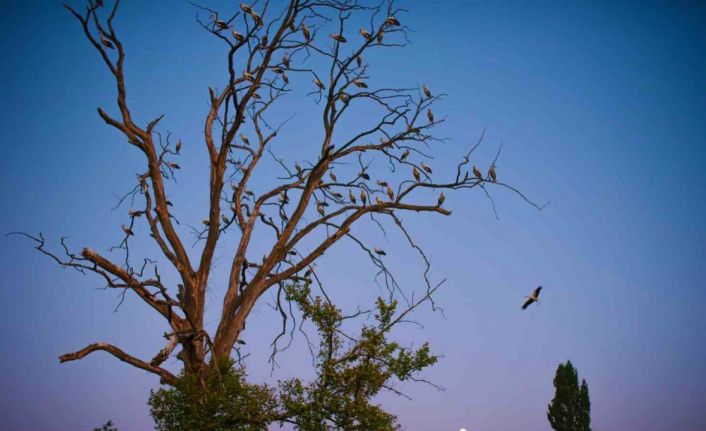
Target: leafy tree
[350,372]
[570,410]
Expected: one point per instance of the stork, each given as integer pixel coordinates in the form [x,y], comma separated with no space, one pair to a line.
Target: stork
[390,193]
[441,199]
[477,173]
[305,31]
[391,20]
[426,90]
[534,297]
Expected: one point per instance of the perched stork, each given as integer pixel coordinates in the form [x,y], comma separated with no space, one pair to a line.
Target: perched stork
[477,173]
[441,199]
[426,90]
[305,31]
[430,115]
[379,251]
[285,61]
[319,84]
[532,298]
[415,172]
[351,196]
[239,37]
[404,155]
[338,38]
[391,20]
[365,33]
[245,139]
[426,168]
[390,193]
[360,84]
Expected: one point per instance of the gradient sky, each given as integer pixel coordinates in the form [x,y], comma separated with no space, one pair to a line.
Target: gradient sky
[600,107]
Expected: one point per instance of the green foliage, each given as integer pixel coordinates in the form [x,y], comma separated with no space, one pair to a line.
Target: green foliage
[351,371]
[222,402]
[570,410]
[349,374]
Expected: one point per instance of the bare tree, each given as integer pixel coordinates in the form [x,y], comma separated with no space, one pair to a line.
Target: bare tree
[311,207]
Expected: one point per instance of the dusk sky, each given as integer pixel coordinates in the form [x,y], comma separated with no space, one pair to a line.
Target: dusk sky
[600,108]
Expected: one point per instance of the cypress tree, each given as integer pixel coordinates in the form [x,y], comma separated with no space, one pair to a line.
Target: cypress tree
[570,410]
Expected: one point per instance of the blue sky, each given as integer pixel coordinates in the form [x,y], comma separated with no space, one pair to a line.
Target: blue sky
[600,109]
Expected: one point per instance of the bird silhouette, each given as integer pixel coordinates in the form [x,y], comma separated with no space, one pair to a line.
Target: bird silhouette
[365,33]
[534,297]
[306,33]
[426,90]
[390,193]
[492,173]
[391,20]
[477,173]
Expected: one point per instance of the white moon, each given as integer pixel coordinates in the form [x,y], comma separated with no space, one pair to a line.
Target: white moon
[462,429]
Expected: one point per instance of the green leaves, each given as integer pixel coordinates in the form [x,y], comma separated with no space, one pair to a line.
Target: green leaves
[570,410]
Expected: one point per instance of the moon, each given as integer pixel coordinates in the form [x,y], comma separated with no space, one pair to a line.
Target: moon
[463,429]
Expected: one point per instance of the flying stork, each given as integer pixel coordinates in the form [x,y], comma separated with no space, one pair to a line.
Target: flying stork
[532,298]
